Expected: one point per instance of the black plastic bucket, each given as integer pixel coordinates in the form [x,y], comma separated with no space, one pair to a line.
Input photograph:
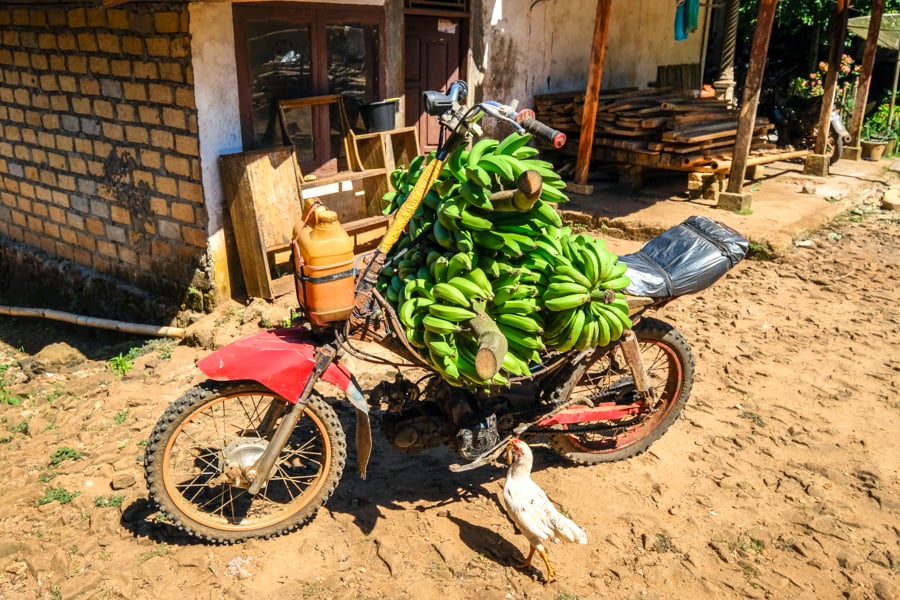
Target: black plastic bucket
[379,116]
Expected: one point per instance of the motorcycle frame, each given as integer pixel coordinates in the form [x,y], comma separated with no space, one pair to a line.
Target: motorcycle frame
[290,361]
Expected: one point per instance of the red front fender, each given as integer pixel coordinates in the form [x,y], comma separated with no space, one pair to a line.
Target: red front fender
[280,359]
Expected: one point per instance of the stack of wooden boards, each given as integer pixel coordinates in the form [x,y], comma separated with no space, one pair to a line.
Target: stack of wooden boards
[655,127]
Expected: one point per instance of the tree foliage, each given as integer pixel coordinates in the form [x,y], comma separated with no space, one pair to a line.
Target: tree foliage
[799,37]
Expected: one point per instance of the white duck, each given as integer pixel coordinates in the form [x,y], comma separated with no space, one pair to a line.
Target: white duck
[531,510]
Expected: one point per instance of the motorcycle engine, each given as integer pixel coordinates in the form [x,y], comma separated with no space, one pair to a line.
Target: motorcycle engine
[449,415]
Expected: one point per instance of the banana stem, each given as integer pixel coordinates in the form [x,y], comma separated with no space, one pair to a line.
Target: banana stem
[492,344]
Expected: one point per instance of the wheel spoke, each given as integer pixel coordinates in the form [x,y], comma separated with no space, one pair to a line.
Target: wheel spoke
[607,381]
[202,457]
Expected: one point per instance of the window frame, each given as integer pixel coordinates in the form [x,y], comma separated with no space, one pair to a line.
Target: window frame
[317,16]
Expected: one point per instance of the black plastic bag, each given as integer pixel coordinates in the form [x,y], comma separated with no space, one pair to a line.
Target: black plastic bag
[684,259]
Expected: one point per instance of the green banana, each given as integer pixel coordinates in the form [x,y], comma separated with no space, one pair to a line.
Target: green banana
[520,307]
[526,152]
[439,269]
[546,213]
[603,331]
[460,263]
[573,332]
[514,365]
[450,293]
[589,332]
[462,240]
[450,313]
[443,236]
[574,274]
[618,269]
[446,366]
[552,194]
[418,287]
[619,283]
[525,341]
[479,277]
[411,306]
[529,355]
[589,263]
[440,344]
[524,323]
[488,239]
[504,294]
[557,324]
[499,165]
[474,222]
[510,247]
[438,325]
[475,195]
[565,302]
[616,326]
[550,245]
[559,287]
[511,143]
[457,162]
[467,288]
[522,242]
[479,149]
[526,290]
[478,176]
[449,215]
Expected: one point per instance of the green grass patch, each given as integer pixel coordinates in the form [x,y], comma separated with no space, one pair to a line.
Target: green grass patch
[112,501]
[123,363]
[63,454]
[57,494]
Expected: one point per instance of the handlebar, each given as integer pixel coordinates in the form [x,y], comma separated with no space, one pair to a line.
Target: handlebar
[538,129]
[442,105]
[524,121]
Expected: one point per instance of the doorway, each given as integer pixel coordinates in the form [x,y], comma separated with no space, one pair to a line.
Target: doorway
[433,53]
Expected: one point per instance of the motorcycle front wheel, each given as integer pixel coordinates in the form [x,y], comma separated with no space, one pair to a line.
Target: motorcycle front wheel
[605,378]
[198,453]
[834,147]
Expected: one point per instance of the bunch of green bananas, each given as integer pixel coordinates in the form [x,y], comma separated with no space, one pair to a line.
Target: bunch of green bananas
[588,309]
[471,251]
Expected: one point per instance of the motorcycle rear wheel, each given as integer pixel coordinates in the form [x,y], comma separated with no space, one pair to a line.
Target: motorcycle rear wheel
[669,362]
[216,424]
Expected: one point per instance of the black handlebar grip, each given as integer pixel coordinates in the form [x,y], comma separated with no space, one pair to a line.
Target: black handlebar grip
[545,132]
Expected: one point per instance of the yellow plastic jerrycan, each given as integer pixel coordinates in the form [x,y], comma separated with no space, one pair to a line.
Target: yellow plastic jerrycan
[327,288]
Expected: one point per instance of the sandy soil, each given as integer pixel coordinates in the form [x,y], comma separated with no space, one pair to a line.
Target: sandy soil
[779,481]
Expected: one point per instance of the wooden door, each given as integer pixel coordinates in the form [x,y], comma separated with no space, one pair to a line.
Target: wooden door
[432,62]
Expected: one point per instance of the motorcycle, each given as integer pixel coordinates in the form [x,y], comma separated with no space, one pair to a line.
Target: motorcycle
[797,119]
[255,450]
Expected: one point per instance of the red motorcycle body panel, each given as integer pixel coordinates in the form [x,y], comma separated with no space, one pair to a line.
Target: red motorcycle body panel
[575,415]
[280,359]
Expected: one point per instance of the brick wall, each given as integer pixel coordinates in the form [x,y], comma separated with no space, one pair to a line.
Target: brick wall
[99,156]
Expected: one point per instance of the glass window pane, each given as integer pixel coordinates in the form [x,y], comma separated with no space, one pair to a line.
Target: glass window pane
[280,68]
[352,64]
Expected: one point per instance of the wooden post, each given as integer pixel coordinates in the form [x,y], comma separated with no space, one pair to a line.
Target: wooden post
[592,94]
[835,52]
[724,85]
[865,72]
[747,116]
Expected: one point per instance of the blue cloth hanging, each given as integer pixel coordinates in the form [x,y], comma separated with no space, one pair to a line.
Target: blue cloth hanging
[693,15]
[680,14]
[687,17]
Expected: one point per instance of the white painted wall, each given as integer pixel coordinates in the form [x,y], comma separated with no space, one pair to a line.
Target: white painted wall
[531,47]
[544,46]
[218,116]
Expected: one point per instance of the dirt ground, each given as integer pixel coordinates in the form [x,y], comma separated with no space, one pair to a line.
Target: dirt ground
[779,481]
